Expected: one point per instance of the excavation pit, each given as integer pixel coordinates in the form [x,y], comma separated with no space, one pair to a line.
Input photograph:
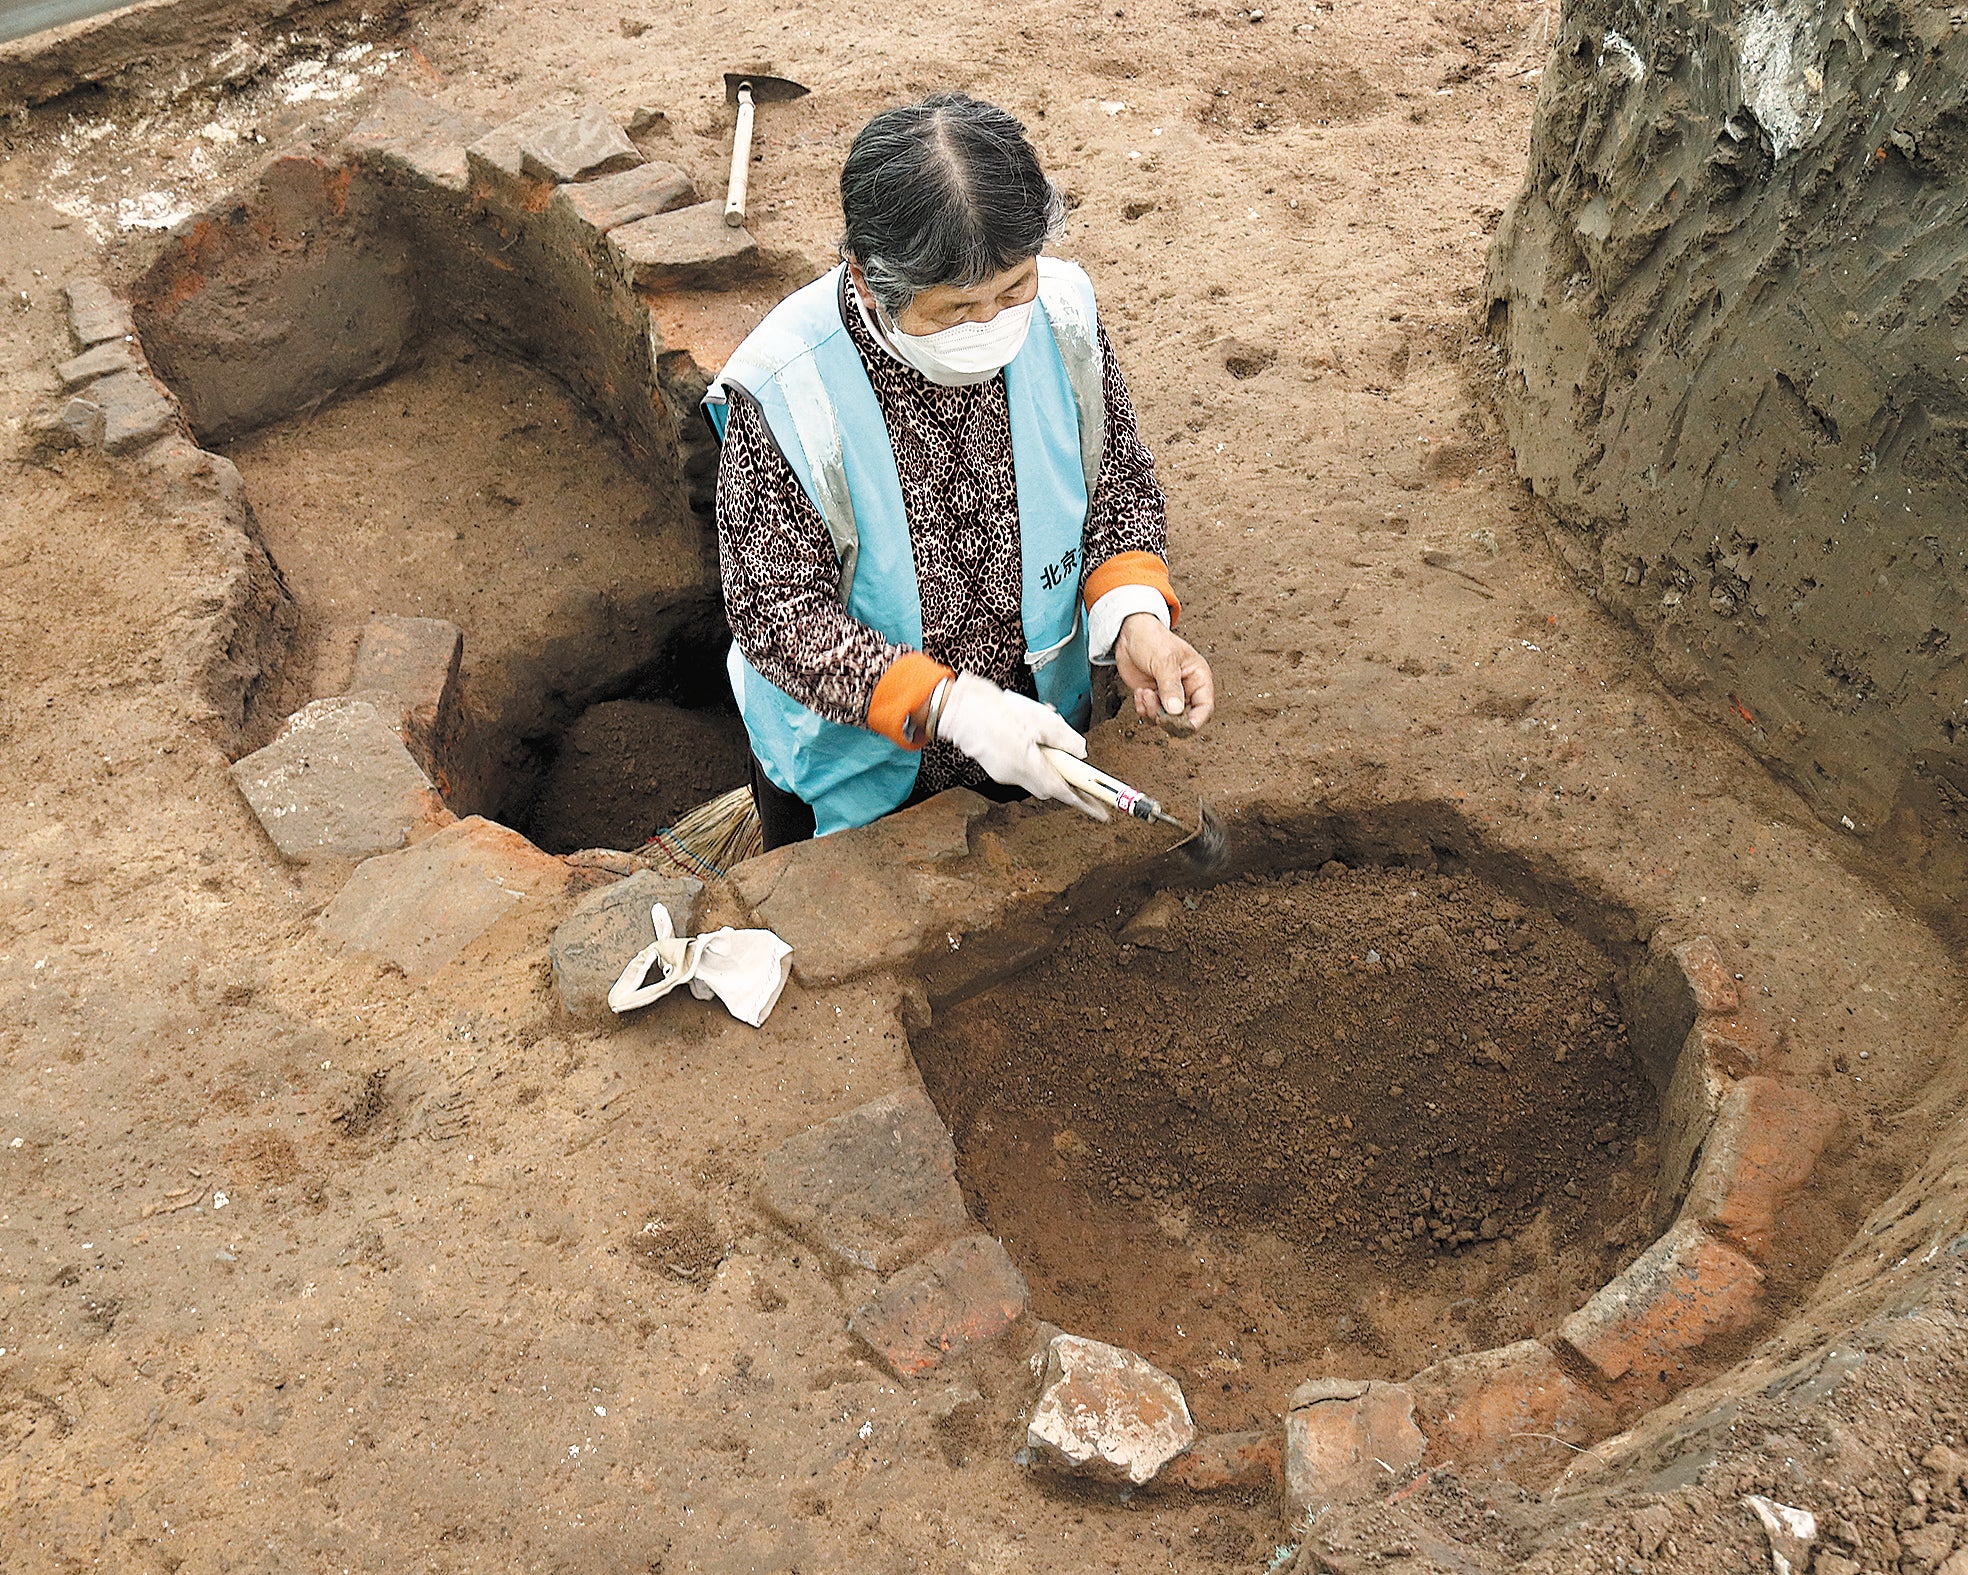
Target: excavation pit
[472,487]
[1348,1121]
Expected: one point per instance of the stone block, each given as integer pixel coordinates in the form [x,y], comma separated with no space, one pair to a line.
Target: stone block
[64,424]
[1504,1408]
[873,1189]
[592,208]
[135,411]
[1106,1413]
[337,784]
[1762,1147]
[895,878]
[494,163]
[595,942]
[686,247]
[96,313]
[1677,1293]
[960,1295]
[408,668]
[415,140]
[421,907]
[577,147]
[112,355]
[1346,1440]
[1228,1463]
[1709,978]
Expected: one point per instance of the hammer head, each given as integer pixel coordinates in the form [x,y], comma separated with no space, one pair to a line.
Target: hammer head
[765,90]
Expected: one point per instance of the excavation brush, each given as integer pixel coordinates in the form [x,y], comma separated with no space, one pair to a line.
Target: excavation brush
[1204,847]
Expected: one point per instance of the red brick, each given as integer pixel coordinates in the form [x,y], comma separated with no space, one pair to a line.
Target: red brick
[1228,1462]
[1765,1140]
[1711,980]
[1347,1440]
[959,1296]
[1505,1409]
[1677,1293]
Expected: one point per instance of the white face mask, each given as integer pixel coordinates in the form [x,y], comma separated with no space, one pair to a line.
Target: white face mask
[963,353]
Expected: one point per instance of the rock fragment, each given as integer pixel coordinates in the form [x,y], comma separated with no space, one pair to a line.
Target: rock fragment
[579,147]
[1345,1440]
[963,1294]
[1106,1413]
[1151,924]
[96,313]
[874,1189]
[337,784]
[421,907]
[112,355]
[686,247]
[595,942]
[408,668]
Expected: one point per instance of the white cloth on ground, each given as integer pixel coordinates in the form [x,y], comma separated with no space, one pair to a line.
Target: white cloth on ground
[745,969]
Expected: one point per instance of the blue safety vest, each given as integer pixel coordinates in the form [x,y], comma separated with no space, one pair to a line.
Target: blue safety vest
[802,367]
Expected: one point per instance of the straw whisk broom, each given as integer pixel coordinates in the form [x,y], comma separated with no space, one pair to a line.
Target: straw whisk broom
[711,838]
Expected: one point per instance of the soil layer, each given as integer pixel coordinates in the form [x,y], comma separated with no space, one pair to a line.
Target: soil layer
[1372,1115]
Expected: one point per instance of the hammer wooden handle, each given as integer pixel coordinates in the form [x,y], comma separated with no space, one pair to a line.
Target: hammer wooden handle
[741,160]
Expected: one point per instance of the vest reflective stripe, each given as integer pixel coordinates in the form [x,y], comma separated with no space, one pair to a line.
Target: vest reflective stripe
[802,367]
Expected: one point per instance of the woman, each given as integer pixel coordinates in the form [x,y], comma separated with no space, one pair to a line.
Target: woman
[934,508]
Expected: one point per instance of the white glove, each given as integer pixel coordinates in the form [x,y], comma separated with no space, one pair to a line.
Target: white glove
[745,969]
[1002,732]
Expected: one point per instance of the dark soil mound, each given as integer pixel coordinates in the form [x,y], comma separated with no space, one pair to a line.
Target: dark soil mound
[627,768]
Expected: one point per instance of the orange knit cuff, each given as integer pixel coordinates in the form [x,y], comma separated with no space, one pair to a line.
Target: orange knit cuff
[1132,568]
[910,680]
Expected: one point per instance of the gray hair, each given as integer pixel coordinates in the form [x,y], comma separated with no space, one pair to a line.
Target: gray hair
[946,191]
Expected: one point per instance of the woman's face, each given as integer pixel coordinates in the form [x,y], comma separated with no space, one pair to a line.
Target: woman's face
[944,305]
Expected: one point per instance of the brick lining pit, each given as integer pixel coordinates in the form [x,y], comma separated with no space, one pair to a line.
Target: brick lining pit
[448,399]
[1200,1124]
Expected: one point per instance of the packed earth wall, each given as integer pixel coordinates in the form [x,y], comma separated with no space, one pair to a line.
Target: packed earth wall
[1729,302]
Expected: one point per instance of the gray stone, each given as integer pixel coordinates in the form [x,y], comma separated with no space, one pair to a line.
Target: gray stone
[419,908]
[408,668]
[593,208]
[960,1295]
[412,138]
[1345,1440]
[578,148]
[337,784]
[112,355]
[595,942]
[874,1189]
[135,411]
[96,313]
[66,423]
[896,876]
[1106,1413]
[494,161]
[688,246]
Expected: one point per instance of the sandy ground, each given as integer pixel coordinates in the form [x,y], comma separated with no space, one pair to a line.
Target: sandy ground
[305,1268]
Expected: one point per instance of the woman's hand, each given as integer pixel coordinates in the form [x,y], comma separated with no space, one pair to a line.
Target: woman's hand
[1166,672]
